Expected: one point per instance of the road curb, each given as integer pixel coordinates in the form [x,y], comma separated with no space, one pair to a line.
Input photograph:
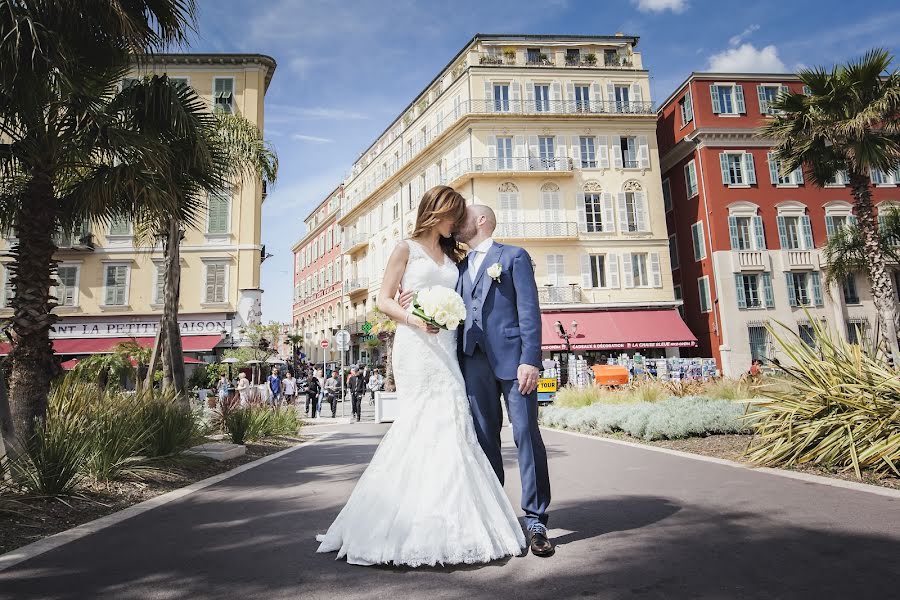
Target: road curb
[839,483]
[56,540]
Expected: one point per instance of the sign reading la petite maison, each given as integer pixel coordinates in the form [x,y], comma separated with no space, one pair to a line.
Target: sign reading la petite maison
[88,329]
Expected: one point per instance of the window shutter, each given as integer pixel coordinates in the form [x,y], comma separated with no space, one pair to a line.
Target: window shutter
[556,96]
[582,215]
[763,103]
[492,153]
[515,96]
[797,176]
[596,97]
[643,152]
[211,283]
[570,95]
[576,150]
[561,147]
[623,213]
[767,290]
[829,226]
[739,98]
[533,150]
[739,290]
[733,232]
[586,271]
[529,96]
[602,152]
[714,94]
[807,91]
[723,163]
[611,96]
[816,288]
[488,97]
[655,272]
[609,213]
[688,107]
[612,270]
[759,232]
[773,167]
[806,228]
[782,232]
[627,270]
[749,168]
[120,226]
[640,209]
[519,146]
[792,293]
[637,95]
[851,220]
[617,151]
[457,101]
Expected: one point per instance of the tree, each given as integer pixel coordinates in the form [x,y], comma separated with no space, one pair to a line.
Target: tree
[385,329]
[848,122]
[74,149]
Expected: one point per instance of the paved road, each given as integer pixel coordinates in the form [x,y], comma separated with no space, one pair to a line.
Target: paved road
[630,523]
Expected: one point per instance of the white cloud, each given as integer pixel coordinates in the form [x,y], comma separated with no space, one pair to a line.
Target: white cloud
[286,113]
[658,6]
[301,65]
[747,59]
[736,40]
[311,138]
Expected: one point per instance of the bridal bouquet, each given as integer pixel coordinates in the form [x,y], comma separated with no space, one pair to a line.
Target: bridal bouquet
[439,306]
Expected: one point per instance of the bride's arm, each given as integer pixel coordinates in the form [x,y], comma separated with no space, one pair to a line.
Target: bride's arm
[393,274]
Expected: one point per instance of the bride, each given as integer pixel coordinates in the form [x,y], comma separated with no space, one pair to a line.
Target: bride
[429,495]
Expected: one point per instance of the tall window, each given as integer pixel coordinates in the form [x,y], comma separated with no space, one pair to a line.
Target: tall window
[622,94]
[807,334]
[690,179]
[639,269]
[67,288]
[542,98]
[631,212]
[673,251]
[727,99]
[501,97]
[120,226]
[555,269]
[215,282]
[667,195]
[834,223]
[857,331]
[703,290]
[223,94]
[759,342]
[218,209]
[629,151]
[741,233]
[795,177]
[547,151]
[767,95]
[593,212]
[573,57]
[588,152]
[804,288]
[598,270]
[686,109]
[582,98]
[509,221]
[737,168]
[504,153]
[851,294]
[794,232]
[699,240]
[116,285]
[748,291]
[159,289]
[9,290]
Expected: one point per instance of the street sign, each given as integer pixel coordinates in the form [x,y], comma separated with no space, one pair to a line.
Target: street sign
[342,340]
[324,343]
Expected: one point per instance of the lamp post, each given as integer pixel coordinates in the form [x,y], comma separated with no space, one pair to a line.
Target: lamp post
[566,335]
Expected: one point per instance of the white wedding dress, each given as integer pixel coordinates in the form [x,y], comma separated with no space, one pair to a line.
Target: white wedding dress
[429,495]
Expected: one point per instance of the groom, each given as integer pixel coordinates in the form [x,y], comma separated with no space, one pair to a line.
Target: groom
[500,354]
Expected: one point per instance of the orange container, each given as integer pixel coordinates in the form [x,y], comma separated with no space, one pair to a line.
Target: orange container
[610,374]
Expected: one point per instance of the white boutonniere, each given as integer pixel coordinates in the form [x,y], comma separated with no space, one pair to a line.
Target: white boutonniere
[494,271]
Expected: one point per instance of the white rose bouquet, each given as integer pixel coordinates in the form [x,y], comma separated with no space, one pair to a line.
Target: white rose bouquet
[439,306]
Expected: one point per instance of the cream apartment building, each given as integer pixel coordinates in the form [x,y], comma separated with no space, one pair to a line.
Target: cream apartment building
[110,288]
[558,135]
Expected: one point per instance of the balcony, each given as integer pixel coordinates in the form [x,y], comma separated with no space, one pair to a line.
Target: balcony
[799,259]
[555,230]
[585,61]
[356,286]
[749,260]
[559,294]
[558,107]
[354,242]
[519,166]
[83,242]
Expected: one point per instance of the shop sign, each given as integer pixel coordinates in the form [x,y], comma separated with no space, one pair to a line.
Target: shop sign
[620,345]
[546,385]
[136,328]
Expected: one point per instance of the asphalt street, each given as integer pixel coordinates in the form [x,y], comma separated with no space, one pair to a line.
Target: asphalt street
[629,523]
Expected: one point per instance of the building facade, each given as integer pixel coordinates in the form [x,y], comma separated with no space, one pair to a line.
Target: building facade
[558,135]
[317,310]
[110,287]
[746,239]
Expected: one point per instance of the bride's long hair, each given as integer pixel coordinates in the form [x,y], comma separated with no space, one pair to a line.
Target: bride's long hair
[439,203]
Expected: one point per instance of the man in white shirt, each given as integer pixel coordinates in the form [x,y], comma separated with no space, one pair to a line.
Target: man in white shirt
[289,388]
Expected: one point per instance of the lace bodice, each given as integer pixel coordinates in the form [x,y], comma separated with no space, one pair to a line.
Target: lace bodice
[422,272]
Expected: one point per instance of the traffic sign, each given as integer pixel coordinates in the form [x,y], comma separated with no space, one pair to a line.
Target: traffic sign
[324,343]
[342,340]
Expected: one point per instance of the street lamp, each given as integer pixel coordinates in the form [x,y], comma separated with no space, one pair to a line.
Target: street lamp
[566,335]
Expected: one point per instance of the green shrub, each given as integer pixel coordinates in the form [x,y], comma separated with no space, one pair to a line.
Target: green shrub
[116,437]
[261,422]
[648,389]
[171,426]
[841,410]
[286,421]
[670,419]
[237,424]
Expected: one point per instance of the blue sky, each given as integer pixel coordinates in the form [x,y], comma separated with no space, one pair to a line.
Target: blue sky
[346,68]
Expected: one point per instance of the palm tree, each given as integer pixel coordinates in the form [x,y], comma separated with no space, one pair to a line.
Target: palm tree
[848,122]
[238,151]
[74,149]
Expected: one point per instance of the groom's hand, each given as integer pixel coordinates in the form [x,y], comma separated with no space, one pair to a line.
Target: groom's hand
[405,299]
[528,377]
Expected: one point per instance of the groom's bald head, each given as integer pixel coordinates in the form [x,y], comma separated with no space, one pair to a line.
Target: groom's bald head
[489,221]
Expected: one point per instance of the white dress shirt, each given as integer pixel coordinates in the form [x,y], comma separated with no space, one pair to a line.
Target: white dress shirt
[476,257]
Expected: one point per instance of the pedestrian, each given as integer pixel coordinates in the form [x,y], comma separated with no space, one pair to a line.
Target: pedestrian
[312,396]
[222,388]
[289,388]
[331,392]
[375,383]
[243,388]
[755,368]
[357,388]
[273,382]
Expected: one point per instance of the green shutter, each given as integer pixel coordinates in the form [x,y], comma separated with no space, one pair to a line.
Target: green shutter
[761,95]
[759,232]
[792,293]
[816,288]
[723,163]
[749,169]
[714,93]
[739,99]
[218,212]
[773,168]
[806,229]
[733,232]
[767,290]
[782,232]
[739,290]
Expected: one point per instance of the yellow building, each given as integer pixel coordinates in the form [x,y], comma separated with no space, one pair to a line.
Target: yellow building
[111,289]
[558,135]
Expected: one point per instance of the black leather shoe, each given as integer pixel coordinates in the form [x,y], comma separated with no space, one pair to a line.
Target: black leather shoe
[540,542]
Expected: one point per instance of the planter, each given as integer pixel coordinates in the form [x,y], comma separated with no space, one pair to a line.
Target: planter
[387,407]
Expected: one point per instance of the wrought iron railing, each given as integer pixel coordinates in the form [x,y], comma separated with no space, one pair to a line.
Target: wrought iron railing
[544,229]
[354,285]
[352,240]
[559,294]
[517,164]
[552,60]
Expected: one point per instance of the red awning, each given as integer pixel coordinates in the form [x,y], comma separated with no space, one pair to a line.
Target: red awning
[102,345]
[618,330]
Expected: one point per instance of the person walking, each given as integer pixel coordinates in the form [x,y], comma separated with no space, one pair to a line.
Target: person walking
[375,384]
[357,388]
[331,392]
[289,388]
[243,388]
[312,395]
[273,382]
[222,388]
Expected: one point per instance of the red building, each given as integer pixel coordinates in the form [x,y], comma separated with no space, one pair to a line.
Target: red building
[746,242]
[317,279]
